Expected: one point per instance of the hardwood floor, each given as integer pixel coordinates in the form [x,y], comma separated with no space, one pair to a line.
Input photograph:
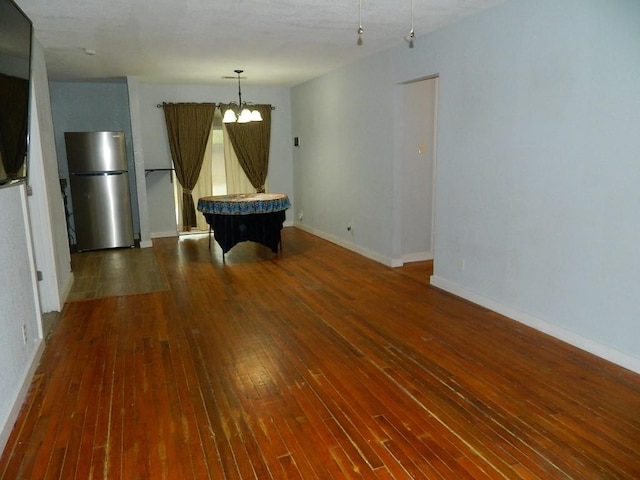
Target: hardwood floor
[107,273]
[316,363]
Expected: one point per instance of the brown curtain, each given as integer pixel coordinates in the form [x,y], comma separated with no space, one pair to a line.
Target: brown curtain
[14,93]
[188,128]
[251,143]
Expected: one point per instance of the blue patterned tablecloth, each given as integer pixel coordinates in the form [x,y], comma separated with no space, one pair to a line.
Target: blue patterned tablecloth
[244,203]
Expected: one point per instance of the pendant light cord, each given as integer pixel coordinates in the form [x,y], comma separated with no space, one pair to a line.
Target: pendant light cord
[412,33]
[239,89]
[360,29]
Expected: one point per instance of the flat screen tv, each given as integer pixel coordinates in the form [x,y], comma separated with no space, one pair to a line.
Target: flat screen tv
[15,71]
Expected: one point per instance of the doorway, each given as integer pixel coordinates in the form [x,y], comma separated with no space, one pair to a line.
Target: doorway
[418,102]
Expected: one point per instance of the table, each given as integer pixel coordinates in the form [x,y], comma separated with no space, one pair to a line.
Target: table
[255,217]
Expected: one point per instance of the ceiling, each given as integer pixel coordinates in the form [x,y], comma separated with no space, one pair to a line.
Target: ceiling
[276,42]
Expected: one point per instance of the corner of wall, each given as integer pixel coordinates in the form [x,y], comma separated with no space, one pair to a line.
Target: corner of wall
[603,351]
[138,155]
[388,261]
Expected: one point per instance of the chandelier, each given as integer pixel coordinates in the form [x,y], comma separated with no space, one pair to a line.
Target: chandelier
[240,112]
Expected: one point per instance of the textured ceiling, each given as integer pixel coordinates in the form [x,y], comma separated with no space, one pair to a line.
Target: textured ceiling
[276,42]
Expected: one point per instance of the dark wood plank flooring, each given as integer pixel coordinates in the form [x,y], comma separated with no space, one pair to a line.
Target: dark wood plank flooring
[316,363]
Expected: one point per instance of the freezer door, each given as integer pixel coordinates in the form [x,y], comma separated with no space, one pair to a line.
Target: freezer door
[102,211]
[95,151]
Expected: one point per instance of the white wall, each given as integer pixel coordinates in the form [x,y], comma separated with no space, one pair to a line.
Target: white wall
[138,158]
[45,229]
[537,178]
[343,168]
[19,309]
[155,145]
[48,221]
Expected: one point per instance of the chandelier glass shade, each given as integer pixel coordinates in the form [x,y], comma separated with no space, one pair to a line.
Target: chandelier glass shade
[240,112]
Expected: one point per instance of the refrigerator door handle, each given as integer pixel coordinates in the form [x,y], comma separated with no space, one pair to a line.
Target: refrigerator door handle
[98,174]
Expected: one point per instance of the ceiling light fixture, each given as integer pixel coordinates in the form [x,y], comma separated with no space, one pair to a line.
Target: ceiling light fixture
[412,33]
[240,112]
[360,29]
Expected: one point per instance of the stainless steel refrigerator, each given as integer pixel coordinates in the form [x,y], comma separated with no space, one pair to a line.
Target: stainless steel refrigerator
[100,195]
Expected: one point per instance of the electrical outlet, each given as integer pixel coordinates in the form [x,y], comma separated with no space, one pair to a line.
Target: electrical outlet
[300,215]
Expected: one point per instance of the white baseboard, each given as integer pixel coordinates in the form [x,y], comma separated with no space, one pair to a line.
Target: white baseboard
[18,401]
[388,261]
[64,293]
[171,233]
[417,257]
[603,351]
